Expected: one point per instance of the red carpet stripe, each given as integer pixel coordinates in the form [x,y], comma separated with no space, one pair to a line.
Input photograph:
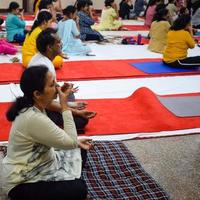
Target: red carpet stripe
[141,112]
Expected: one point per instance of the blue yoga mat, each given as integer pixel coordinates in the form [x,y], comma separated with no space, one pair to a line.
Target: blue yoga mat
[158,67]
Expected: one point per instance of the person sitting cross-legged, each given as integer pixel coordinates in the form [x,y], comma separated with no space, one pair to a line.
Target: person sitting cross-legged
[43,161]
[179,40]
[49,46]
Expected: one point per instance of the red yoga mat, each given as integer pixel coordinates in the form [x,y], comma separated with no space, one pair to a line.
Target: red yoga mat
[26,17]
[136,27]
[80,70]
[141,112]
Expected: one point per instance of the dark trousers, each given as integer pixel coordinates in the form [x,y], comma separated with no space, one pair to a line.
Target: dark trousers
[52,190]
[56,117]
[190,62]
[93,37]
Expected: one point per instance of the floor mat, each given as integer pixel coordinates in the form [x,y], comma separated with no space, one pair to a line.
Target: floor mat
[142,113]
[182,106]
[160,67]
[79,70]
[136,27]
[112,172]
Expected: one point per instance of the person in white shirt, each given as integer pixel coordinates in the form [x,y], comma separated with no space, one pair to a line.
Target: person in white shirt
[43,161]
[49,46]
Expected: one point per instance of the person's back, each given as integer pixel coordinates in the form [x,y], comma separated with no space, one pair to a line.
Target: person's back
[149,15]
[29,46]
[139,7]
[158,31]
[124,9]
[178,42]
[158,36]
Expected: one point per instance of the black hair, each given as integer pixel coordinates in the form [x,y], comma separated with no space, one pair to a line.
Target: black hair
[181,22]
[160,7]
[108,2]
[13,6]
[32,79]
[1,21]
[160,15]
[44,3]
[81,4]
[69,10]
[43,16]
[45,38]
[171,1]
[182,10]
[89,2]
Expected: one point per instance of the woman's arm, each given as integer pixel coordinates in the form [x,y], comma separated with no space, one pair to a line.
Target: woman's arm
[19,22]
[44,131]
[189,37]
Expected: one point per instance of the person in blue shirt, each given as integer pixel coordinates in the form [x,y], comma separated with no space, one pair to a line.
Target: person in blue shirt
[85,22]
[69,34]
[15,24]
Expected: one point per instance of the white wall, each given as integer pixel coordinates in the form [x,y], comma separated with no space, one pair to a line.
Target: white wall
[98,4]
[5,3]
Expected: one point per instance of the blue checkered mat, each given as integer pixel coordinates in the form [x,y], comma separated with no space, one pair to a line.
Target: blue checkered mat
[159,67]
[113,173]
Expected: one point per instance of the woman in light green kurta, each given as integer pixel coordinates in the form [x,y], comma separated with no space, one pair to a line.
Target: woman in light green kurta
[43,161]
[109,17]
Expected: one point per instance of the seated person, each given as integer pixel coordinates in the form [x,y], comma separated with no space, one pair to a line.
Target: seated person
[124,9]
[49,46]
[69,34]
[36,6]
[158,31]
[139,8]
[90,5]
[173,11]
[15,24]
[109,17]
[150,11]
[179,40]
[57,5]
[58,9]
[43,161]
[47,5]
[196,15]
[44,20]
[85,22]
[7,48]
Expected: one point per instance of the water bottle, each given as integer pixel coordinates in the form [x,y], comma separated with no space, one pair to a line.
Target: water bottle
[139,39]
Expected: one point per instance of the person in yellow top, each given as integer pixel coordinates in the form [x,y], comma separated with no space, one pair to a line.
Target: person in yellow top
[158,31]
[109,18]
[36,6]
[29,49]
[179,40]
